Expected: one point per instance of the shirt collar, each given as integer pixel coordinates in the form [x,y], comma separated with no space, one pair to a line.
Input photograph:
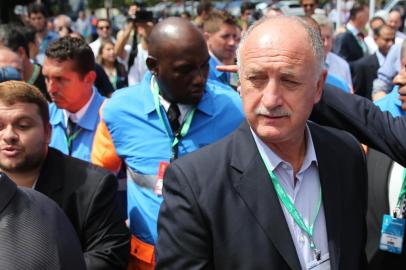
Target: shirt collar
[274,160]
[205,105]
[352,29]
[381,57]
[75,117]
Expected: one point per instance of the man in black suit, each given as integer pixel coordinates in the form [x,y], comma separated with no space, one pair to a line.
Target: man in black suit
[24,213]
[364,70]
[384,181]
[383,132]
[350,45]
[250,201]
[86,193]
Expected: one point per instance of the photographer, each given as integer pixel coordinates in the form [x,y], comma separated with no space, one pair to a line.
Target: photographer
[131,45]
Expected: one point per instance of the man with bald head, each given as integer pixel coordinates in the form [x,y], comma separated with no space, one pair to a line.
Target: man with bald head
[173,112]
[280,192]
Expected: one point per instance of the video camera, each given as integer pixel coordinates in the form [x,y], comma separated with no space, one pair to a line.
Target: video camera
[141,16]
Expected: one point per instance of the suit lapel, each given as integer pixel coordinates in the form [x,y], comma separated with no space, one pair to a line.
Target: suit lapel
[331,194]
[256,189]
[379,166]
[50,179]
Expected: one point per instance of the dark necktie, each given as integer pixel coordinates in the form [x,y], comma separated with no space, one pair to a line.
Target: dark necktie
[173,117]
[361,35]
[70,128]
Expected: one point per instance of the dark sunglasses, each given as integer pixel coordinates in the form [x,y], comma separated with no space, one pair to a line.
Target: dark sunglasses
[103,27]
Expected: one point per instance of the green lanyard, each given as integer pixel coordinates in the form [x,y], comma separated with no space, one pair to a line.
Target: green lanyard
[287,202]
[34,75]
[71,138]
[185,126]
[401,194]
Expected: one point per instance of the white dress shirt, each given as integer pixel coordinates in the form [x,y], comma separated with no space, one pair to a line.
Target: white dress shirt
[304,195]
[339,68]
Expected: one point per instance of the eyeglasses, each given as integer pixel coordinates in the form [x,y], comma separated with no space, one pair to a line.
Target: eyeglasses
[103,27]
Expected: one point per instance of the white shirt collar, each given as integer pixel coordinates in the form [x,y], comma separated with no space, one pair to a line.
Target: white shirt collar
[275,160]
[75,117]
[352,28]
[380,56]
[215,58]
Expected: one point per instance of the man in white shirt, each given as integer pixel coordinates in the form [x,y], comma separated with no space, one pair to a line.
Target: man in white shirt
[335,64]
[104,31]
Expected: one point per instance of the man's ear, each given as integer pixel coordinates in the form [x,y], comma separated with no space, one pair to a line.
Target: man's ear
[206,35]
[320,85]
[22,53]
[48,132]
[90,77]
[152,64]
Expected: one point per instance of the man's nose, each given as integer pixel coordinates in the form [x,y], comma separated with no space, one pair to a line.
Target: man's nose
[272,95]
[9,135]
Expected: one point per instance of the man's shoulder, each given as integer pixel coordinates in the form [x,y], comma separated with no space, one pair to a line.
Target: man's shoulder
[72,170]
[341,140]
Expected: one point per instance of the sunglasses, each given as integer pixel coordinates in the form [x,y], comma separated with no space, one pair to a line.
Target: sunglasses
[308,5]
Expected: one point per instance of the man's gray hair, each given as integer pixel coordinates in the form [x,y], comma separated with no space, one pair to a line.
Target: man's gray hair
[314,37]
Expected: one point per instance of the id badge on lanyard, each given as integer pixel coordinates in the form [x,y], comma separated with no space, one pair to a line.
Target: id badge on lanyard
[393,227]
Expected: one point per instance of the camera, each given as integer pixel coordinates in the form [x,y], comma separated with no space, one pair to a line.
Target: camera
[141,16]
[9,74]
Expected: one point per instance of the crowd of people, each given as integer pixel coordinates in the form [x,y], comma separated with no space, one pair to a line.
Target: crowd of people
[211,142]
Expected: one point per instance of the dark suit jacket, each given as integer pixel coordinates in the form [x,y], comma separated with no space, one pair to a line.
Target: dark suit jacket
[34,232]
[359,116]
[346,46]
[87,194]
[379,168]
[221,211]
[364,71]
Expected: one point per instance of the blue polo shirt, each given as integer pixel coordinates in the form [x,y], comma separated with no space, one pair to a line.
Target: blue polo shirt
[140,139]
[82,144]
[218,76]
[391,103]
[337,82]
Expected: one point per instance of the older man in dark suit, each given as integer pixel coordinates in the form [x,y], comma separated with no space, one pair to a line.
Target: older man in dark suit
[280,192]
[86,193]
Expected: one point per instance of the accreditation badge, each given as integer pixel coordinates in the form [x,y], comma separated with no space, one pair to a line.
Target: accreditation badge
[322,264]
[160,177]
[392,234]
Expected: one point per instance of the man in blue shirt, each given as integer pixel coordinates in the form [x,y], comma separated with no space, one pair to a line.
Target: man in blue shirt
[38,20]
[221,36]
[69,76]
[173,112]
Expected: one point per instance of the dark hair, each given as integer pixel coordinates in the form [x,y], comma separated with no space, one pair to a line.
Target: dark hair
[204,6]
[356,8]
[246,6]
[12,92]
[37,8]
[378,30]
[12,37]
[71,48]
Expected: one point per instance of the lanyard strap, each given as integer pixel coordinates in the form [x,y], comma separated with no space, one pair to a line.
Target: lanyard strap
[185,126]
[34,75]
[290,207]
[71,138]
[402,190]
